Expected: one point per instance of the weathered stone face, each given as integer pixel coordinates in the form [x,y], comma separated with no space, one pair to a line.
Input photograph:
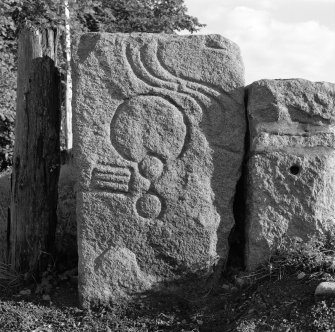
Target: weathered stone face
[291,169]
[159,127]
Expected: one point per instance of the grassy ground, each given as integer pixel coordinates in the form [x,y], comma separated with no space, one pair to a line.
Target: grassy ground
[279,296]
[267,305]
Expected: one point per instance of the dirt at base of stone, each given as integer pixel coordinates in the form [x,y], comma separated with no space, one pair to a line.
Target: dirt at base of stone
[271,305]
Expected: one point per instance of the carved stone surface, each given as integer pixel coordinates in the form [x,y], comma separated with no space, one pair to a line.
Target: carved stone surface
[159,127]
[291,169]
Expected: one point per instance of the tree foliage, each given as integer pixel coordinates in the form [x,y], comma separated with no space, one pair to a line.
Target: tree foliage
[100,15]
[140,16]
[8,47]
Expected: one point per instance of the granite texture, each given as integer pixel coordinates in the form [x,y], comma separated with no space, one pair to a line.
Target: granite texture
[291,166]
[159,127]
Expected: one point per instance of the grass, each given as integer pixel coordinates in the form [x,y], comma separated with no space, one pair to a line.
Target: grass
[8,278]
[272,298]
[293,255]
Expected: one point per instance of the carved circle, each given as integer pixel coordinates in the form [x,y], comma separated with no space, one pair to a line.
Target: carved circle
[151,167]
[146,125]
[149,206]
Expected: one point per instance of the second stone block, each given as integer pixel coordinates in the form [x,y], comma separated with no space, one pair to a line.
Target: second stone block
[291,167]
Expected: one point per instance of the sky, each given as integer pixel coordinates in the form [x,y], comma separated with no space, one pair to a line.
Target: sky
[277,38]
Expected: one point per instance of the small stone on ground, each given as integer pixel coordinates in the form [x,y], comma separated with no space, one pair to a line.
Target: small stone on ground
[326,288]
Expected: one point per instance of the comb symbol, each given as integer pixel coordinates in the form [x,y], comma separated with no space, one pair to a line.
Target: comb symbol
[111,178]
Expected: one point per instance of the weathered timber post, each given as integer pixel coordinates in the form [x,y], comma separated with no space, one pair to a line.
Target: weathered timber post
[36,159]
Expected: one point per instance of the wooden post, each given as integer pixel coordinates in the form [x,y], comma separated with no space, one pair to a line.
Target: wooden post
[36,159]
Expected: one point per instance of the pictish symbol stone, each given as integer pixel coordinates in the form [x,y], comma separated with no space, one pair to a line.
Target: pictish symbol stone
[160,126]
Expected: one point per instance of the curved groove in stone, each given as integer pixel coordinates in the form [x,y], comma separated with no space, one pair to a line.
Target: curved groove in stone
[212,90]
[212,95]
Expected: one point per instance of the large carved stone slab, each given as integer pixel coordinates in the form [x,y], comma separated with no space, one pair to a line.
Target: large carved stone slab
[291,169]
[159,126]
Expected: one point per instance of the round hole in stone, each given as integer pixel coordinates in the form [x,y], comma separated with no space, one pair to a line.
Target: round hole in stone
[295,169]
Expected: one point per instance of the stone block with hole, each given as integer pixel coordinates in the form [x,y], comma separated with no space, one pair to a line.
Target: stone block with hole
[291,165]
[159,128]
